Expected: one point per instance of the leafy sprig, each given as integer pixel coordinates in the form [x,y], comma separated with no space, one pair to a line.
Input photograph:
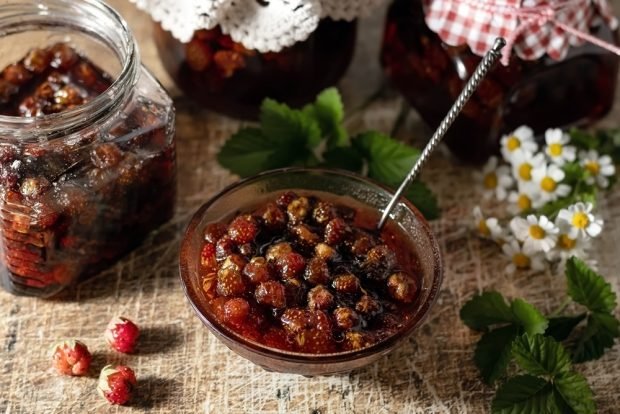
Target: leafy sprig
[544,347]
[314,136]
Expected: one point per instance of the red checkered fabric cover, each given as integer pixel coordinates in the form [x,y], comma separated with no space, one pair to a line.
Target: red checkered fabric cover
[532,27]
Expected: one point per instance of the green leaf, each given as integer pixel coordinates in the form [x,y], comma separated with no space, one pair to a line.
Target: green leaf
[249,152]
[561,327]
[600,333]
[523,394]
[529,317]
[583,139]
[493,352]
[423,198]
[389,160]
[573,392]
[328,110]
[574,172]
[488,308]
[588,288]
[346,158]
[285,125]
[540,355]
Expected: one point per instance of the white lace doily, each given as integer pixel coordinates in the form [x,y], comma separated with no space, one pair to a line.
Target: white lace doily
[264,25]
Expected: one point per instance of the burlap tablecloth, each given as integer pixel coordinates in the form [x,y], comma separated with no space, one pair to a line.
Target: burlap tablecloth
[183,369]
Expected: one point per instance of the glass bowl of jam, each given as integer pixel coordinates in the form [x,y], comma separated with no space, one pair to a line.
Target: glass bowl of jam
[542,93]
[87,149]
[225,77]
[288,270]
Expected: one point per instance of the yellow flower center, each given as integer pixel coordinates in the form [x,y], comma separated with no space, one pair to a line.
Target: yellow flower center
[521,261]
[566,243]
[548,184]
[593,167]
[537,232]
[525,171]
[524,202]
[483,228]
[490,180]
[555,149]
[513,143]
[580,220]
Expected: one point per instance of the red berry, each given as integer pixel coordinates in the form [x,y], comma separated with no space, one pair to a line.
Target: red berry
[230,282]
[198,55]
[214,231]
[271,293]
[258,270]
[305,236]
[323,212]
[286,198]
[277,251]
[116,384]
[224,247]
[243,229]
[207,257]
[298,209]
[320,298]
[273,217]
[402,287]
[335,231]
[106,155]
[346,283]
[346,318]
[317,271]
[290,265]
[380,260]
[236,311]
[71,358]
[122,334]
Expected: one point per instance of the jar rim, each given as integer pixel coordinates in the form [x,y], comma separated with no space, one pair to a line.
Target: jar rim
[95,19]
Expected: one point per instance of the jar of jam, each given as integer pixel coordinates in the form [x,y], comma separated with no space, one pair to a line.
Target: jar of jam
[542,93]
[224,76]
[87,150]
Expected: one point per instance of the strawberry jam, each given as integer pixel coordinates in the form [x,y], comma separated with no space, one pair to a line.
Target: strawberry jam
[73,202]
[309,274]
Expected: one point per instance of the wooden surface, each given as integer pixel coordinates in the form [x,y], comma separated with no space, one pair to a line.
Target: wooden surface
[183,369]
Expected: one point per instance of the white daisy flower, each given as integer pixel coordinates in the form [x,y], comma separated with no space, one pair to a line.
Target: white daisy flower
[524,162]
[548,179]
[520,201]
[496,180]
[580,221]
[536,233]
[557,149]
[566,245]
[488,227]
[599,167]
[521,259]
[522,137]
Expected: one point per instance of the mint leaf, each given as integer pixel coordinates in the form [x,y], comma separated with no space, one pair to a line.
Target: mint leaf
[588,288]
[540,355]
[529,317]
[328,110]
[523,394]
[561,327]
[249,152]
[600,333]
[573,392]
[346,158]
[289,126]
[493,352]
[423,198]
[389,160]
[488,308]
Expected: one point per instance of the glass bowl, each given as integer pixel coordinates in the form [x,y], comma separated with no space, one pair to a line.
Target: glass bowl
[243,196]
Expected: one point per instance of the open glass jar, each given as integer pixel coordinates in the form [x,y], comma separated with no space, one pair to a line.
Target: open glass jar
[542,93]
[87,150]
[226,77]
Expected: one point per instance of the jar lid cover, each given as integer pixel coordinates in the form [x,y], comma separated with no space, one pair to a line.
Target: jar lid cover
[532,27]
[263,25]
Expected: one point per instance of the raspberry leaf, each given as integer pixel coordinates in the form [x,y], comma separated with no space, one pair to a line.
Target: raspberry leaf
[424,200]
[589,288]
[486,309]
[493,352]
[573,394]
[600,333]
[529,317]
[346,158]
[524,394]
[328,111]
[561,327]
[541,355]
[289,127]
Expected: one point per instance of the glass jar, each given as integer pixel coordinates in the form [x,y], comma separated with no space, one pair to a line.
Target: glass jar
[542,94]
[226,77]
[87,150]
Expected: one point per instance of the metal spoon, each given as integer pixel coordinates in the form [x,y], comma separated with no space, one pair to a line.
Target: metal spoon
[485,65]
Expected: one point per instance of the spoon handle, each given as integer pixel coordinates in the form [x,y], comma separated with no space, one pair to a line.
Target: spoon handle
[484,66]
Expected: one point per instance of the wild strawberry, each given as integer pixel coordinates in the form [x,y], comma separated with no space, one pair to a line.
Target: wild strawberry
[286,198]
[323,212]
[207,257]
[305,236]
[402,287]
[335,230]
[224,247]
[320,298]
[71,358]
[317,271]
[122,334]
[236,311]
[290,265]
[346,318]
[243,229]
[298,209]
[271,293]
[214,231]
[116,384]
[346,283]
[258,270]
[273,217]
